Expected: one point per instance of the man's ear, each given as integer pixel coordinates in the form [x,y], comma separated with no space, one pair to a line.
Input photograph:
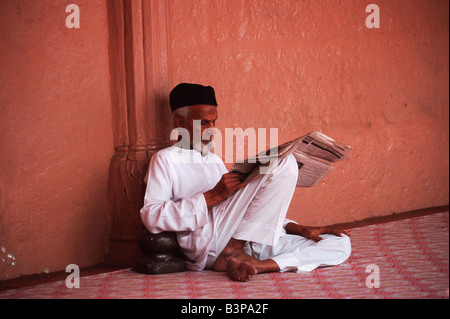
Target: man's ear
[178,121]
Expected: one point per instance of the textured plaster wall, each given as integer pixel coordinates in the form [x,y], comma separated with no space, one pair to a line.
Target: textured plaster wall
[296,66]
[314,65]
[55,135]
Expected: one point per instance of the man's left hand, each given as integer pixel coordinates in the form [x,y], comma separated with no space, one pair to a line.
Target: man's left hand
[312,232]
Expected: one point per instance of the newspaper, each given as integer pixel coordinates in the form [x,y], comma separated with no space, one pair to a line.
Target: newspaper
[315,153]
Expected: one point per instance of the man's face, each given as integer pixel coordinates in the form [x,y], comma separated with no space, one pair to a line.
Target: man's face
[207,115]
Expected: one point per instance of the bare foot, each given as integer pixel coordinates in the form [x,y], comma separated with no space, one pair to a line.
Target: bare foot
[221,262]
[240,266]
[239,270]
[234,248]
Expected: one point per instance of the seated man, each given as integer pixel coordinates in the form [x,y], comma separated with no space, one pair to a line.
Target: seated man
[221,222]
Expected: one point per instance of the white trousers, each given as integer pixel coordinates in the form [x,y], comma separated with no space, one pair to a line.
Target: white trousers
[257,214]
[296,253]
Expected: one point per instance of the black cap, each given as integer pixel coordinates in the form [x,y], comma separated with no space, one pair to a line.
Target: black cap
[185,94]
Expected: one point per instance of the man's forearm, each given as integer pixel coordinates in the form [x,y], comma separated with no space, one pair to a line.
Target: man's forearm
[294,229]
[228,184]
[312,232]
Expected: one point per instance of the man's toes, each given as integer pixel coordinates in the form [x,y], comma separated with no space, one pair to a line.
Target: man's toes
[247,268]
[239,270]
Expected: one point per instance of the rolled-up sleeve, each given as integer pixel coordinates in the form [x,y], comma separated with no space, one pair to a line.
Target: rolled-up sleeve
[287,221]
[160,212]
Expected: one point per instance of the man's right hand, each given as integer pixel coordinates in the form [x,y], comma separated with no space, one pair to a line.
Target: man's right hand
[228,184]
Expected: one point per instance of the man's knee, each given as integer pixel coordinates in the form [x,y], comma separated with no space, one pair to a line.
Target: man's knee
[287,167]
[292,165]
[343,247]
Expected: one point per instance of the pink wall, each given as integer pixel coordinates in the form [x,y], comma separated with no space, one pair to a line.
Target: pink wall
[56,137]
[296,65]
[314,65]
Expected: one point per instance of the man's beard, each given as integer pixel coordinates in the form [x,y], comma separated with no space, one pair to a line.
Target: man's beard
[203,148]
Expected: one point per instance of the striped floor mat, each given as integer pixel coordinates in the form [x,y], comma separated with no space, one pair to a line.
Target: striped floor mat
[402,259]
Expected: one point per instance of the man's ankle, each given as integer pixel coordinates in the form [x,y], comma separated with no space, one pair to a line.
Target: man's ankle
[234,248]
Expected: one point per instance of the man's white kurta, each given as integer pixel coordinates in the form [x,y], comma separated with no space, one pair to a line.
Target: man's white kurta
[174,201]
